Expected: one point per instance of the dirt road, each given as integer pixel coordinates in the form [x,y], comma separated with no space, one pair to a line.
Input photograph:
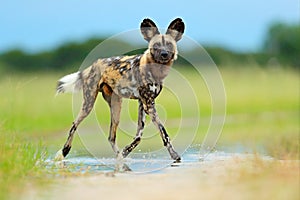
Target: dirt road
[235,177]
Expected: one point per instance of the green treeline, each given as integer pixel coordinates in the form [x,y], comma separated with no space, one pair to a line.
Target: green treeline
[281,47]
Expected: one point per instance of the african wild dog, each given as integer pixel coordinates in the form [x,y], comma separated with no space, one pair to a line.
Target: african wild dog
[136,77]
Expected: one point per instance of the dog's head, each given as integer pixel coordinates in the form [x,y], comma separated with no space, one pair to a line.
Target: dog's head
[162,47]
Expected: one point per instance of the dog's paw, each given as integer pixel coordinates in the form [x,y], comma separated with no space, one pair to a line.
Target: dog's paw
[59,156]
[120,156]
[174,155]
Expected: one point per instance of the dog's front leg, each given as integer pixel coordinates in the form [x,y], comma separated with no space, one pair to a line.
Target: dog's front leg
[139,133]
[150,109]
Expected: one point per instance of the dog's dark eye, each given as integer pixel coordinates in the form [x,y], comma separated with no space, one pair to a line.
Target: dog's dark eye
[156,46]
[169,45]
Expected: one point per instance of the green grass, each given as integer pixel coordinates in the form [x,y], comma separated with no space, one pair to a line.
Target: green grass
[262,112]
[18,158]
[254,90]
[28,104]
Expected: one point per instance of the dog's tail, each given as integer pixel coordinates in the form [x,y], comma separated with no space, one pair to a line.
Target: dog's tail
[70,83]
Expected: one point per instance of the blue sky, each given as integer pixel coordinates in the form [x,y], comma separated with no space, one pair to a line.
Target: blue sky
[36,25]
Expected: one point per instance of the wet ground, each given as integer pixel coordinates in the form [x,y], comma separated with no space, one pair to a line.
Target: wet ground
[217,175]
[154,162]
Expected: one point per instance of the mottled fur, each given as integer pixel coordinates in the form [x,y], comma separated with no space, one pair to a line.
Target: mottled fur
[136,77]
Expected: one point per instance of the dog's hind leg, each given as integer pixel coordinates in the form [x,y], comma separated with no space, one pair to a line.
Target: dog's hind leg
[139,133]
[114,102]
[90,92]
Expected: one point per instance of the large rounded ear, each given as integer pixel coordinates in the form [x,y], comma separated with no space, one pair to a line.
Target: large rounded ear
[148,29]
[176,29]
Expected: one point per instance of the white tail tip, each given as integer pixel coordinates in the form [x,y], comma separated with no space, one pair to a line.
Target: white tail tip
[70,83]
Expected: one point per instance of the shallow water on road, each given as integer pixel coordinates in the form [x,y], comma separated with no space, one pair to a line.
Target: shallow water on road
[153,162]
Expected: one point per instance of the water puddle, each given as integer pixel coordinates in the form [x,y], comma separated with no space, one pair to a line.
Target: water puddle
[141,162]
